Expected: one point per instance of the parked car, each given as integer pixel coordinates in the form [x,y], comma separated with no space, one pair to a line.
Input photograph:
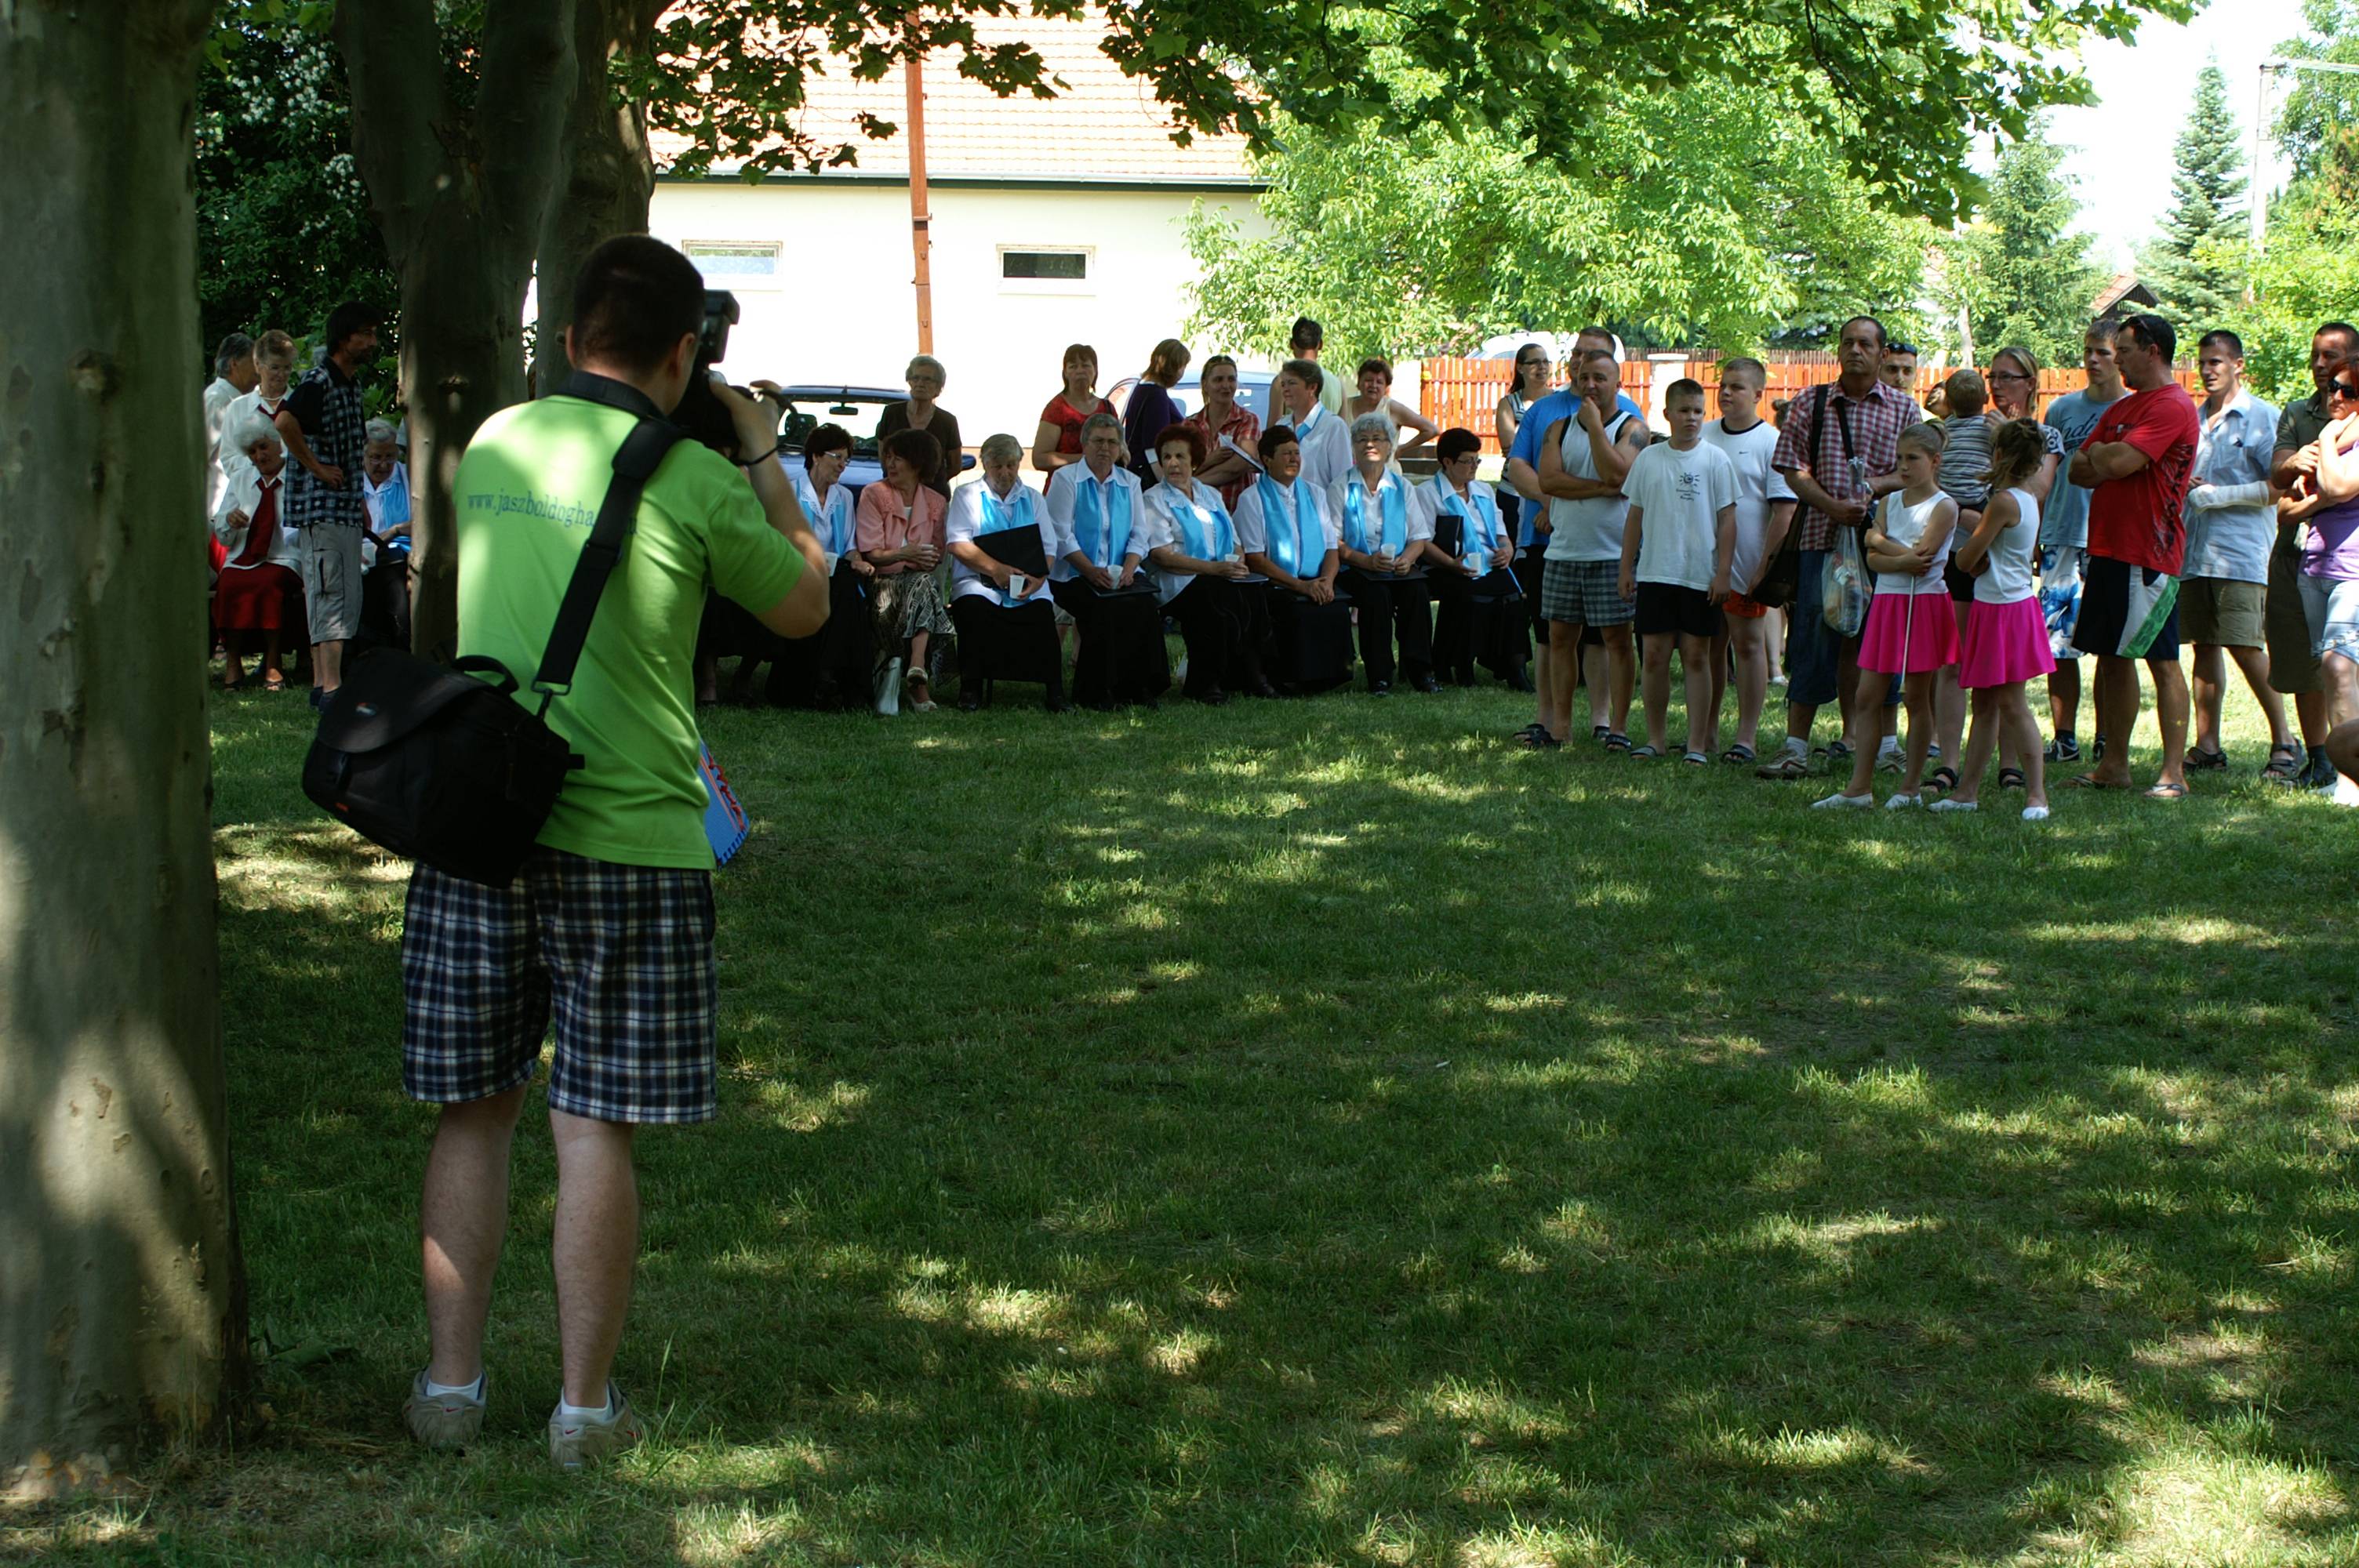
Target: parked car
[857,409]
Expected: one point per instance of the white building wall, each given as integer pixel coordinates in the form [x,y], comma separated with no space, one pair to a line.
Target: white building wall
[842,308]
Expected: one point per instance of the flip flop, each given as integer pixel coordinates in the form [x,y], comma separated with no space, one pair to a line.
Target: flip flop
[2167,791]
[2010,778]
[1739,753]
[1645,754]
[1540,741]
[1617,743]
[2091,781]
[1695,758]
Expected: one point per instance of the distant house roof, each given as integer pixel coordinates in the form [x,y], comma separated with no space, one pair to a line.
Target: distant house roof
[1102,128]
[2125,289]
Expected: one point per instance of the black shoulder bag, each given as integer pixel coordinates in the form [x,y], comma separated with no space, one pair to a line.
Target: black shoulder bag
[1782,582]
[441,767]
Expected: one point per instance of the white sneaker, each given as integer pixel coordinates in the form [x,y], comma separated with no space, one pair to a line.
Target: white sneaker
[2034,814]
[446,1420]
[889,690]
[1952,806]
[575,1440]
[1903,802]
[1840,802]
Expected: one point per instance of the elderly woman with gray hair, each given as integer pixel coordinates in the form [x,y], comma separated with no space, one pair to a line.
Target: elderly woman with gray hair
[258,589]
[1001,539]
[385,544]
[925,378]
[1385,535]
[1104,533]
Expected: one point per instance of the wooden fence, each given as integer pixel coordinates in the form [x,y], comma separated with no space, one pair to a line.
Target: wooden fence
[1466,392]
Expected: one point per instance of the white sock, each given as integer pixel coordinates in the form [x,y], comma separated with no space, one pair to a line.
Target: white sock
[1801,748]
[473,1391]
[588,1412]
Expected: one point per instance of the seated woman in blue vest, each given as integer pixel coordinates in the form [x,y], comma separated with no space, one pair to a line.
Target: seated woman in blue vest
[1199,573]
[830,668]
[1287,535]
[1001,542]
[1470,567]
[1104,532]
[1384,534]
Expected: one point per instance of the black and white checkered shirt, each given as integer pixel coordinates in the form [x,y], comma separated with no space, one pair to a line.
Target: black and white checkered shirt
[327,402]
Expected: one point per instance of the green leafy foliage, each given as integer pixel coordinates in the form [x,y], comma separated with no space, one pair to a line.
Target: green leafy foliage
[2319,124]
[2020,272]
[2188,267]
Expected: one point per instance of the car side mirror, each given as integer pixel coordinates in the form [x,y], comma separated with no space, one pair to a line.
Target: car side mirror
[966,461]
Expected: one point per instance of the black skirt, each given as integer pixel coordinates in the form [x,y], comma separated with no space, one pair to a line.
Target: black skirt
[1310,645]
[997,642]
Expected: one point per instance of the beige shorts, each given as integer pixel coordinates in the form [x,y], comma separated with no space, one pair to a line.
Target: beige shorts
[2221,614]
[331,582]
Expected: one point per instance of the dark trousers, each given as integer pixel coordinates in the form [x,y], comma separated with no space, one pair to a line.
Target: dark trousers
[1000,643]
[1393,607]
[1209,624]
[829,668]
[1480,621]
[1310,645]
[1122,656]
[384,601]
[1247,671]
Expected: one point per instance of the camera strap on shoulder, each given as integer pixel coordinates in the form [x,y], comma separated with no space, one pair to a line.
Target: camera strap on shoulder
[635,461]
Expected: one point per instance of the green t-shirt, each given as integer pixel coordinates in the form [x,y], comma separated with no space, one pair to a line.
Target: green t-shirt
[527,494]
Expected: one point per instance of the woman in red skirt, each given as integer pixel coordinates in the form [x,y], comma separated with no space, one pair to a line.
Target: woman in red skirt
[258,590]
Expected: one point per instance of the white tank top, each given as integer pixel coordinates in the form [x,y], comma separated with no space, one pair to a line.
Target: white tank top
[2009,577]
[1904,526]
[1591,529]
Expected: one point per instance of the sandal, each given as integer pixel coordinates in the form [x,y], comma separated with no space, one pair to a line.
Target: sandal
[2166,792]
[2010,778]
[1943,778]
[1740,753]
[2200,761]
[1696,760]
[1616,742]
[2091,781]
[2285,760]
[1538,739]
[1599,731]
[1644,754]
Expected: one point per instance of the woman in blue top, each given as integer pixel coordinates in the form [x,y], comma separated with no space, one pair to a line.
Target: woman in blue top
[1000,540]
[1384,535]
[830,668]
[1103,535]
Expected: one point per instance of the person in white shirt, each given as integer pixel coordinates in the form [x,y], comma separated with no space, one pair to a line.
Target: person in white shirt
[1584,455]
[234,377]
[1385,538]
[1103,533]
[385,539]
[1001,540]
[274,373]
[1286,534]
[1199,574]
[830,668]
[1469,569]
[1765,512]
[1676,547]
[1326,449]
[258,590]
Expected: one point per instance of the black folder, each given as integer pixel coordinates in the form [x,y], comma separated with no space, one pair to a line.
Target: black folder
[1019,547]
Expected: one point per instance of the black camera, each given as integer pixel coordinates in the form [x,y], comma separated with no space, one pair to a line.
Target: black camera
[699,412]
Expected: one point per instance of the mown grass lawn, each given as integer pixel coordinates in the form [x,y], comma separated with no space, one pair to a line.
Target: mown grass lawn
[1326,1134]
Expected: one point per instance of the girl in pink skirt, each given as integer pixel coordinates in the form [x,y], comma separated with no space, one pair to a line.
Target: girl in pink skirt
[2007,635]
[1911,632]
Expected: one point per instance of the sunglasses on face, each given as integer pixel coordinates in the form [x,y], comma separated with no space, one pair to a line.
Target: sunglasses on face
[2343,389]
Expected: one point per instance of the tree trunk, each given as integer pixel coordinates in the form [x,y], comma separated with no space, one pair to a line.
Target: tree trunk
[607,174]
[122,1300]
[460,194]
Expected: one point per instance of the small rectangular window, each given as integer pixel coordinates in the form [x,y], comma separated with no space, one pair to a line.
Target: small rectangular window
[1061,267]
[727,263]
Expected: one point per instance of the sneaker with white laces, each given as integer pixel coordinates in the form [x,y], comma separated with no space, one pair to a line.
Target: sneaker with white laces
[447,1421]
[1903,802]
[1840,802]
[1954,805]
[575,1440]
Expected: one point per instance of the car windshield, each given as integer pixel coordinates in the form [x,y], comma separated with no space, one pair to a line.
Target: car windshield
[856,414]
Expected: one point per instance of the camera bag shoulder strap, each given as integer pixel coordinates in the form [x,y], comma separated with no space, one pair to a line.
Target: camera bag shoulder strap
[635,461]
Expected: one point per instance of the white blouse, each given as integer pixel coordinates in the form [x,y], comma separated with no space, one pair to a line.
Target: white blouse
[964,523]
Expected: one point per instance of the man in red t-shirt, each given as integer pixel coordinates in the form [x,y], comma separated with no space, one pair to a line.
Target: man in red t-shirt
[2136,462]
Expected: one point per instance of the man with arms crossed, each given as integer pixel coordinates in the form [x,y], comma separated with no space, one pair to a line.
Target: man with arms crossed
[2293,660]
[2137,463]
[1584,460]
[609,925]
[1839,451]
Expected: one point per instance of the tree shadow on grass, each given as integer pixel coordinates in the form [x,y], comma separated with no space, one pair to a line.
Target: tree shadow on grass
[1295,1146]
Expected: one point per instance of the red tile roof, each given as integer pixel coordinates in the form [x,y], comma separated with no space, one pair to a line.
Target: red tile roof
[1102,126]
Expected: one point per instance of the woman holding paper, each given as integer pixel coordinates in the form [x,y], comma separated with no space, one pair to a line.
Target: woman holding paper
[1201,574]
[1286,535]
[1000,538]
[1103,533]
[1385,536]
[1480,618]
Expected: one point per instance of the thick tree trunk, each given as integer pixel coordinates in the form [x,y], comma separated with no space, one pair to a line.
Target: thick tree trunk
[121,1302]
[607,173]
[460,194]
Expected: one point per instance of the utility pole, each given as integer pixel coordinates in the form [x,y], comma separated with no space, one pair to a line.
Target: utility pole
[2260,121]
[921,241]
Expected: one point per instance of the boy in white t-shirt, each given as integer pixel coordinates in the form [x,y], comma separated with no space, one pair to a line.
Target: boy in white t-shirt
[1765,511]
[1677,548]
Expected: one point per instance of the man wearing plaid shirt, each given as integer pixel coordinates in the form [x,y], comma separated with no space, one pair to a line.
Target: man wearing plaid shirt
[1840,449]
[324,426]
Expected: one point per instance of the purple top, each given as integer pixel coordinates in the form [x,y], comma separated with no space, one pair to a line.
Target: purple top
[1147,414]
[2331,548]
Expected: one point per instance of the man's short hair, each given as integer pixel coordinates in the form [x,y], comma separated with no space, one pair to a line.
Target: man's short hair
[2104,329]
[1613,343]
[347,321]
[1587,355]
[1744,366]
[826,438]
[1101,421]
[1881,339]
[2222,338]
[234,348]
[1307,372]
[635,299]
[918,448]
[1277,436]
[1686,386]
[1456,443]
[1205,371]
[2348,332]
[2152,331]
[1307,334]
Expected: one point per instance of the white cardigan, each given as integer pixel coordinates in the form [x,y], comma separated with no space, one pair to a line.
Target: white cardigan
[244,494]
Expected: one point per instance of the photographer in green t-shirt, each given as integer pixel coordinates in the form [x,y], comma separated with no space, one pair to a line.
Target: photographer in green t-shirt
[609,925]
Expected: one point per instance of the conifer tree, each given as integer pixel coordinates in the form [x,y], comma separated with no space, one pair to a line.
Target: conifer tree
[2188,267]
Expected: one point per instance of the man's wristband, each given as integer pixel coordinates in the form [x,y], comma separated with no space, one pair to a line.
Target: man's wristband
[765,457]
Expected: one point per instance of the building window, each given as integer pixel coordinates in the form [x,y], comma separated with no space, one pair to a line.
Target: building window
[1044,269]
[737,263]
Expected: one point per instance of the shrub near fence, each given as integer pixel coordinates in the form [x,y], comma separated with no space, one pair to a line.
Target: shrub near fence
[1465,392]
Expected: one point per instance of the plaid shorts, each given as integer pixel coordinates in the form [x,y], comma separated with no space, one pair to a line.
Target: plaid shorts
[1587,593]
[622,955]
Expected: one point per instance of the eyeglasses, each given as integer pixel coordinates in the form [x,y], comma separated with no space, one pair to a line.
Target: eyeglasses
[2343,389]
[2008,375]
[1527,364]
